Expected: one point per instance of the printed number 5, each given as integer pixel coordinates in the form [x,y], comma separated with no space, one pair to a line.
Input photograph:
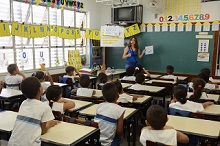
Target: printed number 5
[185,18]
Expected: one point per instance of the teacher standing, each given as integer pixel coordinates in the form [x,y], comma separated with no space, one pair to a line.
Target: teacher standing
[132,53]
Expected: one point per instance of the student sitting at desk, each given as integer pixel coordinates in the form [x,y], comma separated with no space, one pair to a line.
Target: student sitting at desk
[41,77]
[34,117]
[208,85]
[140,69]
[13,80]
[111,120]
[102,79]
[123,97]
[197,87]
[169,71]
[180,102]
[158,131]
[140,78]
[208,72]
[84,82]
[129,74]
[70,73]
[55,100]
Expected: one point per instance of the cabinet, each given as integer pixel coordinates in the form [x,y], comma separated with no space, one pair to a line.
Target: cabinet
[96,51]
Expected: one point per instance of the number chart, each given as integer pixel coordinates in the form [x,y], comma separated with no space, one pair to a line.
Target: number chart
[191,17]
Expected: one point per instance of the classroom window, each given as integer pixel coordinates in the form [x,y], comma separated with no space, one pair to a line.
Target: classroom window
[29,53]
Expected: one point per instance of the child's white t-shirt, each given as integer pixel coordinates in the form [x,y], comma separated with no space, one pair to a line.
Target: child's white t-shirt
[209,86]
[57,106]
[169,77]
[72,77]
[12,82]
[211,79]
[84,92]
[138,87]
[125,98]
[188,106]
[129,78]
[203,96]
[27,129]
[166,136]
[107,115]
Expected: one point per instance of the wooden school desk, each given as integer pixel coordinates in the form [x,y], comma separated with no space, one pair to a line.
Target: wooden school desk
[153,76]
[70,134]
[59,84]
[199,127]
[214,97]
[161,81]
[130,113]
[9,95]
[212,110]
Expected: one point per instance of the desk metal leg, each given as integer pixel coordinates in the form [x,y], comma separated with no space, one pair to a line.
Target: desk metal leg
[134,130]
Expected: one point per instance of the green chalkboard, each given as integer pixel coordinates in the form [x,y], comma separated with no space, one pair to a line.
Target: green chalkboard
[179,49]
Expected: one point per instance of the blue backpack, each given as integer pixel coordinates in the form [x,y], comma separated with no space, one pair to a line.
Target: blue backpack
[66,91]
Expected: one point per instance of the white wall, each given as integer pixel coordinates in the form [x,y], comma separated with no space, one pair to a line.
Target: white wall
[213,8]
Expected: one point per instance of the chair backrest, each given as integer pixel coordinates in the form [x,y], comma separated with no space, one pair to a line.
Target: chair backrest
[67,89]
[90,99]
[128,81]
[177,112]
[151,143]
[80,121]
[58,115]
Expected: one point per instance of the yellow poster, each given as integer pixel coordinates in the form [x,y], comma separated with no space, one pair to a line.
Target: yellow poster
[134,29]
[16,29]
[4,27]
[61,32]
[54,30]
[89,34]
[72,34]
[127,31]
[77,33]
[48,30]
[74,59]
[25,31]
[42,31]
[96,35]
[34,31]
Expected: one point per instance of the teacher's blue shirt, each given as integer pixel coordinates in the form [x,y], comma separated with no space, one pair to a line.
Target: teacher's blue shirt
[133,59]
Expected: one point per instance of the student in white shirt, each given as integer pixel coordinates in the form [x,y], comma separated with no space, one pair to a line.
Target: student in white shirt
[208,85]
[140,78]
[42,77]
[70,73]
[13,80]
[169,71]
[110,117]
[180,102]
[55,100]
[129,74]
[34,117]
[157,130]
[124,97]
[85,90]
[198,87]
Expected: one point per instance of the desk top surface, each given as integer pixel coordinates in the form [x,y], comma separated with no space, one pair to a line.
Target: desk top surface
[212,110]
[98,93]
[7,120]
[195,126]
[66,133]
[161,81]
[92,111]
[142,99]
[78,104]
[6,93]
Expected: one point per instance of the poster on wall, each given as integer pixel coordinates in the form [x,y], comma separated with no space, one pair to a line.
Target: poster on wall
[203,57]
[74,59]
[203,46]
[112,41]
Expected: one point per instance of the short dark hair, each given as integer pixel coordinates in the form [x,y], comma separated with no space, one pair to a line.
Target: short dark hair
[110,92]
[84,81]
[169,69]
[39,74]
[138,69]
[204,76]
[53,92]
[11,68]
[180,92]
[130,70]
[102,77]
[157,117]
[206,70]
[140,78]
[69,69]
[119,86]
[30,87]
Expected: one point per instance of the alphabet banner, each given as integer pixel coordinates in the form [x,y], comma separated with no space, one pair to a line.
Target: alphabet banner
[131,30]
[4,27]
[92,34]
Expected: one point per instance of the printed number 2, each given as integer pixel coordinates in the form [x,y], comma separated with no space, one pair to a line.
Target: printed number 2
[170,18]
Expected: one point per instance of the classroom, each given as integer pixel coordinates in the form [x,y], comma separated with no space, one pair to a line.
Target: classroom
[109,72]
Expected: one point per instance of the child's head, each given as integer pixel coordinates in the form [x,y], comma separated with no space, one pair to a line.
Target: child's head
[69,70]
[206,71]
[54,92]
[180,93]
[156,117]
[102,77]
[31,88]
[204,76]
[130,71]
[119,86]
[12,69]
[110,92]
[84,81]
[140,78]
[169,69]
[40,75]
[138,69]
[198,86]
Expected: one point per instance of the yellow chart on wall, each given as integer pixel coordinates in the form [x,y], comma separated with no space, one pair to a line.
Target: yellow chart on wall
[179,7]
[74,59]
